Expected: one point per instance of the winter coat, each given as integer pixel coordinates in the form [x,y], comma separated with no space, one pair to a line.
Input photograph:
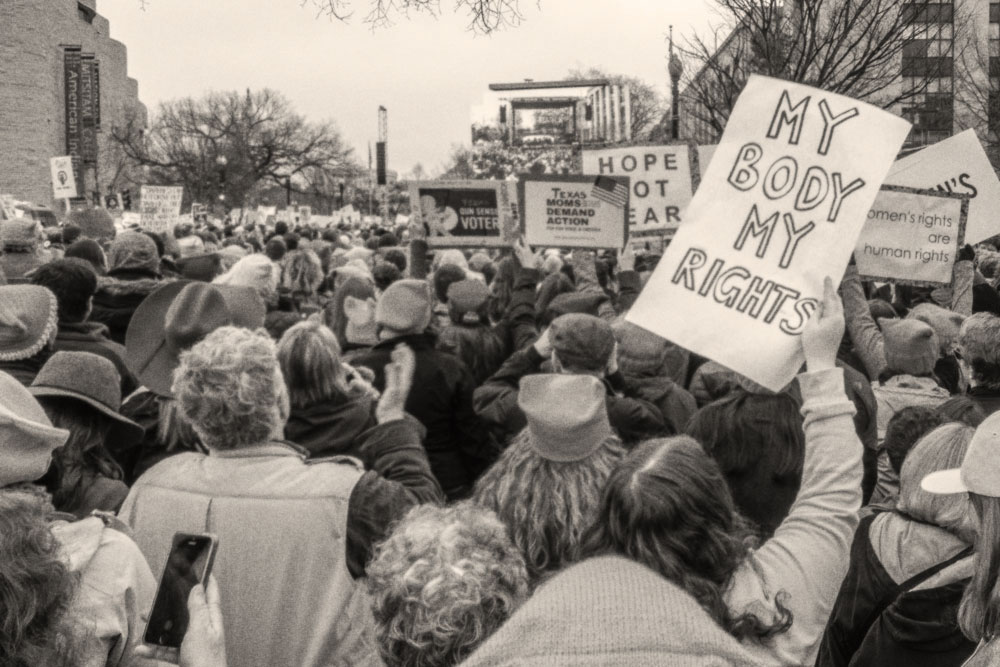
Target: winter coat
[93,337]
[118,295]
[25,370]
[17,265]
[294,538]
[807,557]
[987,399]
[116,589]
[633,418]
[333,427]
[904,391]
[899,603]
[480,347]
[458,444]
[610,611]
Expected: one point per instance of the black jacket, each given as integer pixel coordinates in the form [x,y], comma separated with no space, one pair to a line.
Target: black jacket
[118,295]
[496,401]
[93,337]
[331,427]
[458,444]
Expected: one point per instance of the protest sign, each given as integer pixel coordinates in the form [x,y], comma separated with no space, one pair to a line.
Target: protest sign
[781,207]
[661,183]
[912,236]
[63,180]
[161,207]
[131,219]
[574,211]
[305,214]
[958,164]
[462,213]
[705,154]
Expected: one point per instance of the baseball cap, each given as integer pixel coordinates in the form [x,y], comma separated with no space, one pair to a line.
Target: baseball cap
[980,471]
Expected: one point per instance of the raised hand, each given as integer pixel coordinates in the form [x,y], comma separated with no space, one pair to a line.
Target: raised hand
[525,256]
[824,331]
[398,380]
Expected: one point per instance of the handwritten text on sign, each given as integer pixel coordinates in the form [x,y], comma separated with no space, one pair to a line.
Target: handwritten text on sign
[660,181]
[161,207]
[780,208]
[912,236]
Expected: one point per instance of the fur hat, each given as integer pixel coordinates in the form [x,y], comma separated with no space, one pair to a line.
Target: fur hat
[945,323]
[29,316]
[467,301]
[911,346]
[20,234]
[27,437]
[133,251]
[582,341]
[567,415]
[405,307]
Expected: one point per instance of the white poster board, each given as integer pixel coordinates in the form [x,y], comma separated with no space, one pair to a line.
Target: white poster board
[457,214]
[660,179]
[63,180]
[957,164]
[780,209]
[912,236]
[705,154]
[574,211]
[160,207]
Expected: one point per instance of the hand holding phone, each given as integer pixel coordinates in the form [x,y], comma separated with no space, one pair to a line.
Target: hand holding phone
[188,565]
[204,643]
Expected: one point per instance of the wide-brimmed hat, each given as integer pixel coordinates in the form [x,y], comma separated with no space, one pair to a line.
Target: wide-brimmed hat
[27,437]
[980,471]
[178,315]
[89,378]
[29,316]
[567,415]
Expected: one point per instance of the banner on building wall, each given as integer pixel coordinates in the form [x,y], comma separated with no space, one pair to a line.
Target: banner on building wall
[71,83]
[63,180]
[660,180]
[96,76]
[587,211]
[462,213]
[780,208]
[912,236]
[160,207]
[88,123]
[957,164]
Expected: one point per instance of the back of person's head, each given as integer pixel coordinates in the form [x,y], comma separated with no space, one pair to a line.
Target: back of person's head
[229,387]
[759,444]
[275,249]
[335,312]
[442,583]
[388,240]
[502,287]
[979,346]
[962,409]
[547,484]
[943,448]
[397,257]
[404,308]
[581,343]
[74,283]
[667,506]
[444,277]
[906,428]
[280,228]
[36,586]
[385,274]
[303,272]
[291,241]
[911,347]
[310,363]
[91,252]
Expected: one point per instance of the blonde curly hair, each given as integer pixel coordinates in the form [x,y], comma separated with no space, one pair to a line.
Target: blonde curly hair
[229,388]
[442,583]
[547,505]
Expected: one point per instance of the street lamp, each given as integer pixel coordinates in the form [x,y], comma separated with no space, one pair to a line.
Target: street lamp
[675,68]
[221,162]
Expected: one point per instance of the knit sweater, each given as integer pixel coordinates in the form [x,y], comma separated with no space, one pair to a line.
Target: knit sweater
[610,611]
[809,554]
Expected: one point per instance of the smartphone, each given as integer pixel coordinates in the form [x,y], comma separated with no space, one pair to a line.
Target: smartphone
[189,563]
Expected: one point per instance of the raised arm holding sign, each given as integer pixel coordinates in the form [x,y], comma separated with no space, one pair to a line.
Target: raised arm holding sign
[780,208]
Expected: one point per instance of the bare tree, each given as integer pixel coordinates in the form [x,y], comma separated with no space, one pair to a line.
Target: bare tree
[227,143]
[850,47]
[484,16]
[647,105]
[977,93]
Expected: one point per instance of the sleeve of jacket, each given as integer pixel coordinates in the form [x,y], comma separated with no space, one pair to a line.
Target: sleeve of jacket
[586,281]
[963,279]
[629,286]
[478,446]
[496,401]
[520,315]
[401,478]
[865,334]
[418,259]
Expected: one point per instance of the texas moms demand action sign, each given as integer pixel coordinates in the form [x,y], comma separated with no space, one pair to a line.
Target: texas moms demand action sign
[780,208]
[574,211]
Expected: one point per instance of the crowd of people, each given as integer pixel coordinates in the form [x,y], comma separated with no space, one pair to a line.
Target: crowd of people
[416,456]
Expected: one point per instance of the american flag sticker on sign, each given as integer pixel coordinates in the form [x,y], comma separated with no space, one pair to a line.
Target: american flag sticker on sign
[610,190]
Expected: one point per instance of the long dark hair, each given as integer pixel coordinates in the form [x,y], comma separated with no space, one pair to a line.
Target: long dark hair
[667,506]
[979,613]
[502,288]
[83,456]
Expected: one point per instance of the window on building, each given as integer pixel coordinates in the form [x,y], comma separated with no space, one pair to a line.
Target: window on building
[994,110]
[995,12]
[929,12]
[927,58]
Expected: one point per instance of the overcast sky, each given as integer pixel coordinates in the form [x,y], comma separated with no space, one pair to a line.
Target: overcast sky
[428,72]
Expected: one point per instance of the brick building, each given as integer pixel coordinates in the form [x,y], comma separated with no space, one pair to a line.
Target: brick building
[35,35]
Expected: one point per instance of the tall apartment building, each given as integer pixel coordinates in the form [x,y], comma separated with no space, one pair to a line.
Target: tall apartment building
[953,48]
[63,84]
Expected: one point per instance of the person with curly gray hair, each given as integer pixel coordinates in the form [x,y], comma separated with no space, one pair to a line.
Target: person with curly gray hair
[294,535]
[547,485]
[442,583]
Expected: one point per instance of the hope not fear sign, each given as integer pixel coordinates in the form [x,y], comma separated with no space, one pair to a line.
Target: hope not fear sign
[779,208]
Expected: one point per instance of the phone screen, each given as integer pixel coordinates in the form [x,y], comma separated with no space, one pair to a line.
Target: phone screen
[188,564]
